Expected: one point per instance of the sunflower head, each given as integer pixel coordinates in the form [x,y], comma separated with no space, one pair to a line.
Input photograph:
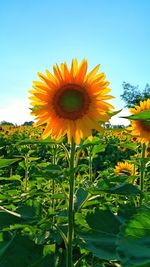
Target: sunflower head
[121,148]
[134,139]
[125,168]
[70,101]
[141,128]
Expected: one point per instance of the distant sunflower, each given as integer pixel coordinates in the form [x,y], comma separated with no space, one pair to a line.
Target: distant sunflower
[134,139]
[141,128]
[121,148]
[70,101]
[125,168]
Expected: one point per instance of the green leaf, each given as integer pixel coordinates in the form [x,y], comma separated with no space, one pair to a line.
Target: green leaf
[22,165]
[125,189]
[100,237]
[133,244]
[33,159]
[98,148]
[23,252]
[49,172]
[7,162]
[126,211]
[8,218]
[121,189]
[11,178]
[48,249]
[143,116]
[132,146]
[59,196]
[3,246]
[26,212]
[81,196]
[111,114]
[35,108]
[48,140]
[88,143]
[51,168]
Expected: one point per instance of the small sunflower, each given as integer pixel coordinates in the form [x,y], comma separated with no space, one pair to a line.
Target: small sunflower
[125,168]
[70,101]
[134,139]
[121,148]
[141,128]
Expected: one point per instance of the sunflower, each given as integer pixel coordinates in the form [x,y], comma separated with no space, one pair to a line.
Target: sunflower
[121,148]
[134,139]
[70,101]
[125,168]
[141,128]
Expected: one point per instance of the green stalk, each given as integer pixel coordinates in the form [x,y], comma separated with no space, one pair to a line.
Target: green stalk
[53,182]
[69,262]
[142,175]
[26,172]
[90,165]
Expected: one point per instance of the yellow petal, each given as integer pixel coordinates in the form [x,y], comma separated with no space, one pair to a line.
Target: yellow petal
[93,72]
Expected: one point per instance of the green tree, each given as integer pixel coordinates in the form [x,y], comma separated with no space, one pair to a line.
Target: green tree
[28,123]
[6,123]
[132,95]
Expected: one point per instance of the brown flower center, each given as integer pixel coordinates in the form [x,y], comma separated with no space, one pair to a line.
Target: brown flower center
[148,149]
[125,171]
[71,101]
[146,125]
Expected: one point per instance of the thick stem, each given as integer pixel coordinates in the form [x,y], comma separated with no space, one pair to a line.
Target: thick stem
[142,171]
[90,165]
[26,173]
[69,262]
[53,182]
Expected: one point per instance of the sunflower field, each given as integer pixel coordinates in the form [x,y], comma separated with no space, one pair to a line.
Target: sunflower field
[111,204]
[74,193]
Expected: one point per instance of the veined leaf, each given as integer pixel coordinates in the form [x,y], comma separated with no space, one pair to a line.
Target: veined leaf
[133,245]
[143,116]
[111,114]
[7,162]
[125,189]
[100,236]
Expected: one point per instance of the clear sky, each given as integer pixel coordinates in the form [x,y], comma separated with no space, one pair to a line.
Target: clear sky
[36,34]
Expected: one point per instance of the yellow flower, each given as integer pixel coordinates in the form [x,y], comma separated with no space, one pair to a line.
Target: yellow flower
[70,101]
[141,128]
[121,148]
[125,168]
[134,139]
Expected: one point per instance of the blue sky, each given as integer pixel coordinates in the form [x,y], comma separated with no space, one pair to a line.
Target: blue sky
[37,34]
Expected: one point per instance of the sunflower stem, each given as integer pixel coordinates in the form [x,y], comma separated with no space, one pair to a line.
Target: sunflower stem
[69,262]
[142,175]
[90,164]
[26,172]
[53,181]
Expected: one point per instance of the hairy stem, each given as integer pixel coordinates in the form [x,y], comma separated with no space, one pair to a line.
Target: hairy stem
[69,262]
[142,175]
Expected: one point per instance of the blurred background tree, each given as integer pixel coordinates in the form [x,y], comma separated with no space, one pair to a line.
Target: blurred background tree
[28,123]
[132,95]
[6,123]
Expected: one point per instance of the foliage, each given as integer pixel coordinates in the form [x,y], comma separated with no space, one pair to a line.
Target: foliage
[111,213]
[6,123]
[132,95]
[28,123]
